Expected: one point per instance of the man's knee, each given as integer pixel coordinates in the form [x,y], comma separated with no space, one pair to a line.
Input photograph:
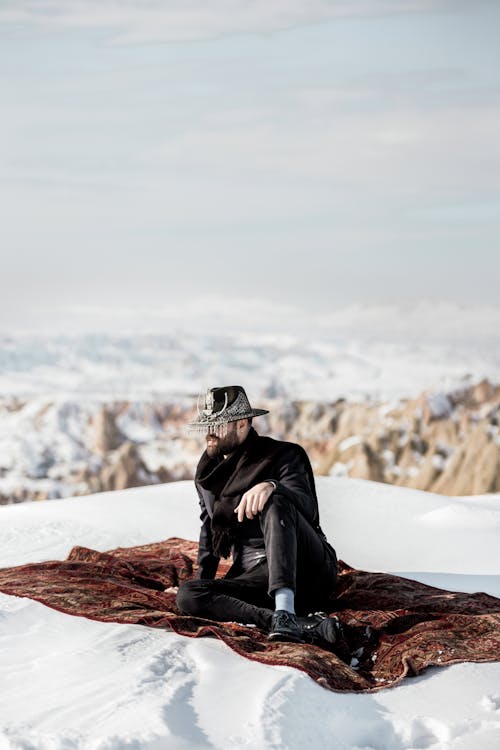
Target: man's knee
[191,597]
[279,504]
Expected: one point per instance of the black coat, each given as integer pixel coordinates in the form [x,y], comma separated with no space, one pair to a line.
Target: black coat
[258,459]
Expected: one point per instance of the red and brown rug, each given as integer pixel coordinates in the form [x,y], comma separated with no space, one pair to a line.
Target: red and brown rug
[414,626]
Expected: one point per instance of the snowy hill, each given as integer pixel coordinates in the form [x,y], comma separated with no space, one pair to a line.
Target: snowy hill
[68,402]
[345,357]
[71,683]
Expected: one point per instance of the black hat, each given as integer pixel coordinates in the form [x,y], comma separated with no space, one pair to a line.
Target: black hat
[223,405]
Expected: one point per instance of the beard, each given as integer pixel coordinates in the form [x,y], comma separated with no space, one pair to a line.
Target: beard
[217,445]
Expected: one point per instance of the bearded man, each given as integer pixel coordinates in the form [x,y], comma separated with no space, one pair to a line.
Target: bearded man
[258,505]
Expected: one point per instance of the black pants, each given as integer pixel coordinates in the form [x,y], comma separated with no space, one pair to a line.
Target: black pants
[296,558]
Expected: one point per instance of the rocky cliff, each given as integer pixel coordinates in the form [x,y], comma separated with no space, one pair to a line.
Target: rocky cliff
[446,442]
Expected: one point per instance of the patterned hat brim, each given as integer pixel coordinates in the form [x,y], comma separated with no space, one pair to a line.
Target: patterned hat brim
[206,422]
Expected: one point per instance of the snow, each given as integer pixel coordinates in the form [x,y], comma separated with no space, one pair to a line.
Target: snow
[69,683]
[53,386]
[318,363]
[349,442]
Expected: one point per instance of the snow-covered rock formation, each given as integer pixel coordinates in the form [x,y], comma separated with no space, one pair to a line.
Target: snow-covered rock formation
[448,442]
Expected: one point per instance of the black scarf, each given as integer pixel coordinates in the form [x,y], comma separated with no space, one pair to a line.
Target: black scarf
[229,478]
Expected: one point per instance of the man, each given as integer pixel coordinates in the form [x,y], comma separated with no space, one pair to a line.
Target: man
[258,504]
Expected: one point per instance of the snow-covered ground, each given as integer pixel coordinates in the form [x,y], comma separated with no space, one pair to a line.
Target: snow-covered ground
[70,683]
[320,364]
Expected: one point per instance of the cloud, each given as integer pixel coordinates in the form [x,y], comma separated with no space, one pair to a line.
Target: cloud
[421,320]
[398,146]
[139,21]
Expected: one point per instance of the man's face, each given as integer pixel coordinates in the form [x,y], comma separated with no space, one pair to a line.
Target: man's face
[226,444]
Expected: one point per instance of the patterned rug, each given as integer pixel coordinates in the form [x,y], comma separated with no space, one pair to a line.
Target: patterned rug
[413,626]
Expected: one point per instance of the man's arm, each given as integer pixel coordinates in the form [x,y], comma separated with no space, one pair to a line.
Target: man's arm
[293,478]
[207,561]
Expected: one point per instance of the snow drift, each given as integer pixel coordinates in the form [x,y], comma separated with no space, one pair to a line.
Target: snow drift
[74,683]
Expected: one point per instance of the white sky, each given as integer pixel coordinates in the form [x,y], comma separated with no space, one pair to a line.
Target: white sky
[314,154]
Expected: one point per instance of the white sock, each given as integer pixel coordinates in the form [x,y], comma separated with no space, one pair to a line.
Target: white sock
[284,599]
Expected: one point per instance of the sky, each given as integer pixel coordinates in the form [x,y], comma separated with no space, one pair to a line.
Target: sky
[161,157]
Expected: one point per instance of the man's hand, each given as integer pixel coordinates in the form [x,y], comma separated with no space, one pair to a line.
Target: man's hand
[253,501]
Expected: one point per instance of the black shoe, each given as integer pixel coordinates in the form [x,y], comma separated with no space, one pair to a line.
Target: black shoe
[284,627]
[347,641]
[319,628]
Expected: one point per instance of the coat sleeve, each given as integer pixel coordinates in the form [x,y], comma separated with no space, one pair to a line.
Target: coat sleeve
[207,561]
[294,479]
